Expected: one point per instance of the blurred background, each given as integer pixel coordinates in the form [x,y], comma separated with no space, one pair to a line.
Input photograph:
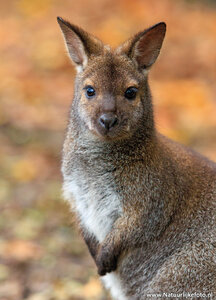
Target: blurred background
[42,256]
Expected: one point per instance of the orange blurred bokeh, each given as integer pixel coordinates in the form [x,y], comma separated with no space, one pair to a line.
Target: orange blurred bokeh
[41,253]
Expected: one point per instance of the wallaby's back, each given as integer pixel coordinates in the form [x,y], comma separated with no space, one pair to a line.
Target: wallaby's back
[183,259]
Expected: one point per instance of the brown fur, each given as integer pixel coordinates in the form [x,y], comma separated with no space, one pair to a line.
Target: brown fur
[164,238]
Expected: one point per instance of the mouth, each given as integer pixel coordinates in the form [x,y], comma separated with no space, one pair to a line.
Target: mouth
[106,133]
[118,132]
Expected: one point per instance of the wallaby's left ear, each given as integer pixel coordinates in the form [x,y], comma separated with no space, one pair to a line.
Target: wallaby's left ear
[145,46]
[80,44]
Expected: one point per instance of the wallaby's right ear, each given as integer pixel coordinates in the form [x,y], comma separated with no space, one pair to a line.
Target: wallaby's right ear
[80,44]
[145,46]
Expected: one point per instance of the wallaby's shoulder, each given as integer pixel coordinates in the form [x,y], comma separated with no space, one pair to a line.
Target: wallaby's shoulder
[196,174]
[186,156]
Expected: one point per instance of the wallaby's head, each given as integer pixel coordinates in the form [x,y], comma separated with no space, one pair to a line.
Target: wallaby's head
[112,98]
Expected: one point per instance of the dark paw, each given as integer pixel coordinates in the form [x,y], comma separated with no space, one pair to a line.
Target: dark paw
[106,263]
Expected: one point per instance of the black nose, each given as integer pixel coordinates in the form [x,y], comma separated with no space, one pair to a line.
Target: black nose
[108,120]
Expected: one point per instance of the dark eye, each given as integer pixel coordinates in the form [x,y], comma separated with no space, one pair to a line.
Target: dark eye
[90,91]
[130,93]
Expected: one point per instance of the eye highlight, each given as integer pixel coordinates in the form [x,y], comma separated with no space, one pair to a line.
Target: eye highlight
[89,91]
[130,93]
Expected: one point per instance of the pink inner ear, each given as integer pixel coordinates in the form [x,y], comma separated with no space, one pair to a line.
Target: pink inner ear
[76,49]
[74,45]
[148,46]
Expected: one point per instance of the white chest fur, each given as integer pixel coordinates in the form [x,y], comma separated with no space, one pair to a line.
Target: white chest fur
[96,203]
[98,206]
[113,283]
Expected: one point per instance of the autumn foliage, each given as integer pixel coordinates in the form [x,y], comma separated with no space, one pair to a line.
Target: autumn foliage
[41,254]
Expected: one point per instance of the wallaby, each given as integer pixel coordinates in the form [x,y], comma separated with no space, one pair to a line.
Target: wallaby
[145,204]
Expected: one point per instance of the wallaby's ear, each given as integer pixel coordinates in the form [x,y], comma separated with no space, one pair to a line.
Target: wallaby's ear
[145,46]
[80,44]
